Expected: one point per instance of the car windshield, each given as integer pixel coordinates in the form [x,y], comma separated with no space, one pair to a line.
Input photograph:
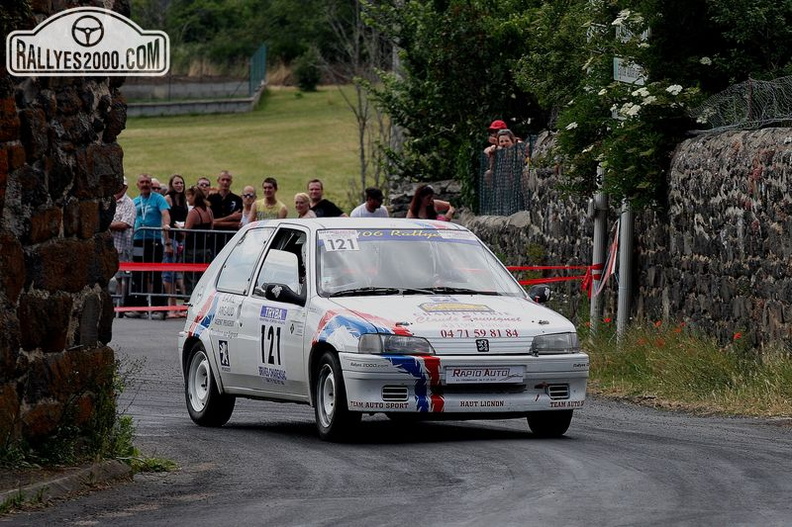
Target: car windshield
[378,262]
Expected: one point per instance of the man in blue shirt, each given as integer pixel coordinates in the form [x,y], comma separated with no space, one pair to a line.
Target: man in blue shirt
[150,241]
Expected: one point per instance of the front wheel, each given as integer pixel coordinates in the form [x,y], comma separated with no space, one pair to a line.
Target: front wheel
[205,404]
[333,418]
[552,423]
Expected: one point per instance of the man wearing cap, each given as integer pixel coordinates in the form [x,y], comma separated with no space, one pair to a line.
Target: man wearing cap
[494,128]
[121,227]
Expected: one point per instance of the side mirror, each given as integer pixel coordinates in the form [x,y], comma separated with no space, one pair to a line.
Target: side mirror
[539,293]
[283,293]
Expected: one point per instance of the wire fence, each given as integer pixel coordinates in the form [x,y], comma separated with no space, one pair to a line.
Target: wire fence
[749,104]
[502,188]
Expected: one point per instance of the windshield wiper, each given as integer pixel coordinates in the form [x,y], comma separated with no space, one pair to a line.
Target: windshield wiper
[415,291]
[462,291]
[364,291]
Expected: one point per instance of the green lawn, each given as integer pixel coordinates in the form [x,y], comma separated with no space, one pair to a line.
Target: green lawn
[291,136]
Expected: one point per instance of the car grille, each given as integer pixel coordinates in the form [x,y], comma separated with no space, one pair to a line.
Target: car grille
[394,393]
[483,389]
[558,391]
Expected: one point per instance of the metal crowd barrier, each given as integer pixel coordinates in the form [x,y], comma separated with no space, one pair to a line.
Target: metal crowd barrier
[153,276]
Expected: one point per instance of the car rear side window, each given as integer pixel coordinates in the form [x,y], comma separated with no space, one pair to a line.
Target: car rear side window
[237,270]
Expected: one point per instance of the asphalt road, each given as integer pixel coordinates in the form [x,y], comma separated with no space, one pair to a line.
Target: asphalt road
[618,465]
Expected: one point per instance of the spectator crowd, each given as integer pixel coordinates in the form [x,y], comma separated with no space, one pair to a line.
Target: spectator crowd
[175,223]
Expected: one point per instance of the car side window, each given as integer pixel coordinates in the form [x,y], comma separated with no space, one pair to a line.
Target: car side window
[237,270]
[284,263]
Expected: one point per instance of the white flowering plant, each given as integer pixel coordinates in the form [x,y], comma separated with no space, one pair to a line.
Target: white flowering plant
[630,129]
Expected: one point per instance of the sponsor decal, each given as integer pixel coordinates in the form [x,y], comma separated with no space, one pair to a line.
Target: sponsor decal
[205,315]
[482,404]
[225,359]
[274,314]
[479,333]
[347,326]
[426,371]
[454,307]
[226,312]
[273,375]
[376,405]
[566,404]
[87,41]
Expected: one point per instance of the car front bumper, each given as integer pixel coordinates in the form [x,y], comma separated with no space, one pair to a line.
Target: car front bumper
[424,384]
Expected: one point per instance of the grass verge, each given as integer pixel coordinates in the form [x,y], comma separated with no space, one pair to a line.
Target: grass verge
[673,367]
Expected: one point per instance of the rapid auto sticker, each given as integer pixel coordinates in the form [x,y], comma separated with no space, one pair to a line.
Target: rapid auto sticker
[426,371]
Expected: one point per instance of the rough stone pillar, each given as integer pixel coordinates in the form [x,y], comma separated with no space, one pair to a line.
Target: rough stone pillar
[59,167]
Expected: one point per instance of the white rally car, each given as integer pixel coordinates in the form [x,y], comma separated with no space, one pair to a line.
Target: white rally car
[413,318]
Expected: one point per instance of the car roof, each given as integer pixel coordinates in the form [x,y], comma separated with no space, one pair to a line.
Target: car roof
[359,223]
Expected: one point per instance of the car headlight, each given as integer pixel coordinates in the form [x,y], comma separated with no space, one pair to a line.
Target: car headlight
[394,344]
[555,344]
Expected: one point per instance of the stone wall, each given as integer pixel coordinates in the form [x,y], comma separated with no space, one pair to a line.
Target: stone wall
[719,260]
[60,165]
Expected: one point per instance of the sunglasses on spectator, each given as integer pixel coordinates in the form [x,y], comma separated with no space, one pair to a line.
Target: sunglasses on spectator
[203,184]
[156,188]
[248,195]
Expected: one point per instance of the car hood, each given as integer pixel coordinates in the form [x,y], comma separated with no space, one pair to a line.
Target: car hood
[453,323]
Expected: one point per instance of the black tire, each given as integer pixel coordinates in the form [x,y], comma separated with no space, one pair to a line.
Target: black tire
[552,423]
[334,421]
[205,404]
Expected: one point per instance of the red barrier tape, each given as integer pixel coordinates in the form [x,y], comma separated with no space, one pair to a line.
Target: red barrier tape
[178,307]
[143,266]
[586,279]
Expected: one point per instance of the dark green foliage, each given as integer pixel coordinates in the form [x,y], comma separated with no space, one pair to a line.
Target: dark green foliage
[307,70]
[693,49]
[455,77]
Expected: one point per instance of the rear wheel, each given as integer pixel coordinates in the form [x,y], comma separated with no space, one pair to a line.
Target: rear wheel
[553,423]
[333,418]
[205,404]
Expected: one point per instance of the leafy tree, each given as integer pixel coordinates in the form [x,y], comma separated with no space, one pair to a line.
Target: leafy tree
[685,49]
[456,60]
[356,53]
[307,70]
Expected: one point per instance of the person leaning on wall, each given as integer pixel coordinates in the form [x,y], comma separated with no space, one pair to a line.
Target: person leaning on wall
[426,207]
